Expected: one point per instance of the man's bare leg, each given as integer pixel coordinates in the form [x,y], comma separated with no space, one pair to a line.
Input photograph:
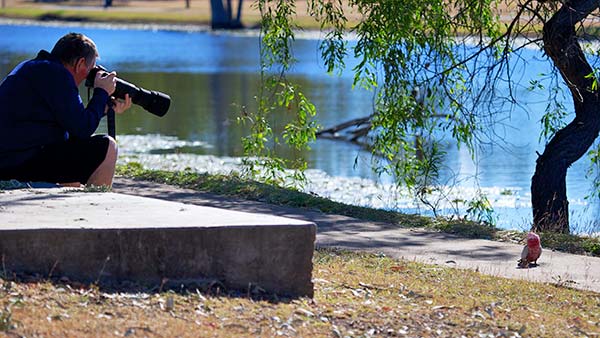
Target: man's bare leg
[70,185]
[104,174]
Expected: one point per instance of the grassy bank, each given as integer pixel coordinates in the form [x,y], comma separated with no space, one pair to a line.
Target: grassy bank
[146,12]
[356,295]
[234,186]
[112,16]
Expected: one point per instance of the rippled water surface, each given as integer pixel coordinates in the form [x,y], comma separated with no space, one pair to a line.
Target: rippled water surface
[211,76]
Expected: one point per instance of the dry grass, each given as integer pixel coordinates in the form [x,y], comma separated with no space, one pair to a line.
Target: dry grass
[142,11]
[355,295]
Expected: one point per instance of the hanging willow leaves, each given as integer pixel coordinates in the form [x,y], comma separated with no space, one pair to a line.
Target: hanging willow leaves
[407,55]
[434,66]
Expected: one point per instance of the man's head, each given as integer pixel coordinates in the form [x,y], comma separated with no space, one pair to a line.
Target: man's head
[77,53]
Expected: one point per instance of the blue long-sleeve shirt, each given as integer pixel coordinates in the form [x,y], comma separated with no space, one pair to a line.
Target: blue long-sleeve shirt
[40,105]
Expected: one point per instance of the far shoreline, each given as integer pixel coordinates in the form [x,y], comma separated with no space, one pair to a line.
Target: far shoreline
[106,25]
[299,34]
[308,34]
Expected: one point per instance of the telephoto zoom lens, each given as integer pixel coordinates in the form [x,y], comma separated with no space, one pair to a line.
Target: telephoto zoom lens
[154,102]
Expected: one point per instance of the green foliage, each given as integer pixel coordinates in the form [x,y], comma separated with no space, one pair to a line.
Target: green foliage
[407,55]
[301,131]
[593,154]
[593,77]
[331,16]
[480,209]
[277,32]
[555,112]
[427,85]
[278,98]
[593,171]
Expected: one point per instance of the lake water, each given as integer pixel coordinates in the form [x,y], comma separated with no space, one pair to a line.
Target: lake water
[210,75]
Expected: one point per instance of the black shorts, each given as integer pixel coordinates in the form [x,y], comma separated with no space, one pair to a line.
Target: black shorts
[74,160]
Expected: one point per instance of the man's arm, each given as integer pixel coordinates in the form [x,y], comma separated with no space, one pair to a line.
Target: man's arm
[62,96]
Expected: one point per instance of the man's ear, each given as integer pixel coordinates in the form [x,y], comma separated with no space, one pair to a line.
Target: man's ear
[81,65]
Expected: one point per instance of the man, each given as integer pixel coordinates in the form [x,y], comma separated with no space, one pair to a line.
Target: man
[45,130]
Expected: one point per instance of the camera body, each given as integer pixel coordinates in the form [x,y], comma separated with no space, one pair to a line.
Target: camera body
[154,102]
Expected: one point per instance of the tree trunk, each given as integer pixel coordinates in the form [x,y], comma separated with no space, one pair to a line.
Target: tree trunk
[222,15]
[548,185]
[229,10]
[238,17]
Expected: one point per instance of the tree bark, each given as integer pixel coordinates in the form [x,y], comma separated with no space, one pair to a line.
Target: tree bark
[221,15]
[548,184]
[229,10]
[239,11]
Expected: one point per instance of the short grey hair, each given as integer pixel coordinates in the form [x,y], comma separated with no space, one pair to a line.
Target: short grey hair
[74,46]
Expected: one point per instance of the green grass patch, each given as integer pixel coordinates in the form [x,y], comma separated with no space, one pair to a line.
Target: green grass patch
[235,186]
[571,243]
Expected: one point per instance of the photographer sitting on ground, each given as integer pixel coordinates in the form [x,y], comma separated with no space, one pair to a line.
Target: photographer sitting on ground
[45,130]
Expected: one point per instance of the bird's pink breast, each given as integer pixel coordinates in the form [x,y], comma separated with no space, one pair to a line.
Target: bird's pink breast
[534,253]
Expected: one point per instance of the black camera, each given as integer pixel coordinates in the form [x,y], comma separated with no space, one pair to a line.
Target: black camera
[154,102]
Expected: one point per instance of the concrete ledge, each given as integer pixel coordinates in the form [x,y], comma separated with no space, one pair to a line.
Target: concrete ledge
[114,237]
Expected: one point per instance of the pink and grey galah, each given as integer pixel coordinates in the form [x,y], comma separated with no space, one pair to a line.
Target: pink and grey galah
[531,252]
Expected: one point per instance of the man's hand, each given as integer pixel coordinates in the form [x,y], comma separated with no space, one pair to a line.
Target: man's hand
[120,105]
[106,81]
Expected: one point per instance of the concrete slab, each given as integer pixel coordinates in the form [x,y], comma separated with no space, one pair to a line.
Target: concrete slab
[113,237]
